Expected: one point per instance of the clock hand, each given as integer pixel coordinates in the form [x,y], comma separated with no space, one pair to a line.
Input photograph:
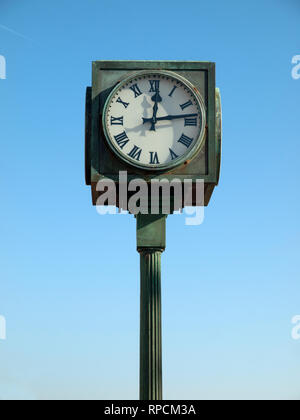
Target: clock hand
[153,119]
[169,117]
[156,98]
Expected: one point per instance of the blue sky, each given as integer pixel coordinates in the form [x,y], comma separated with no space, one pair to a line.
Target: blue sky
[70,277]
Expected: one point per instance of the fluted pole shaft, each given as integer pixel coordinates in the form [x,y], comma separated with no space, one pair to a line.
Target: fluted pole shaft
[151,242]
[150,326]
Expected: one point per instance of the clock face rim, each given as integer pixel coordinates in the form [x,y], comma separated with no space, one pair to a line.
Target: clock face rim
[198,144]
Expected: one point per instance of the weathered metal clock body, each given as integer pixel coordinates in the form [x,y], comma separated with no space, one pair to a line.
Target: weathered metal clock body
[154,120]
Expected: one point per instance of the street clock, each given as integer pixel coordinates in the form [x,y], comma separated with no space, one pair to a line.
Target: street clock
[155,120]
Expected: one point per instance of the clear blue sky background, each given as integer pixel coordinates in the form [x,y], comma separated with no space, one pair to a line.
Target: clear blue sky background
[70,277]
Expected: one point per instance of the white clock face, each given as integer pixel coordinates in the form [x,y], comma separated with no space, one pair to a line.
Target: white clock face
[154,120]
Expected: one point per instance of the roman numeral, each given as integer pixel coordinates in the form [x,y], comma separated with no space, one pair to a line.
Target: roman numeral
[186,104]
[185,140]
[136,90]
[173,154]
[154,158]
[135,153]
[116,120]
[172,91]
[190,121]
[122,102]
[154,85]
[122,139]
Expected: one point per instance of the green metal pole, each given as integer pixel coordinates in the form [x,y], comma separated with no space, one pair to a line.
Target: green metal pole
[150,244]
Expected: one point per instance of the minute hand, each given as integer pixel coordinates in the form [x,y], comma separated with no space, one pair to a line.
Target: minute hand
[169,117]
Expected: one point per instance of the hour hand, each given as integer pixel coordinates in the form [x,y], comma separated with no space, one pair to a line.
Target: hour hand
[156,97]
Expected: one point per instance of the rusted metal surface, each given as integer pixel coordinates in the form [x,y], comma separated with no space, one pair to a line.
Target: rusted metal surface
[218,132]
[88,128]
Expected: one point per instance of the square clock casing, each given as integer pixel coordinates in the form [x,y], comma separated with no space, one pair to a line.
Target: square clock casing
[102,163]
